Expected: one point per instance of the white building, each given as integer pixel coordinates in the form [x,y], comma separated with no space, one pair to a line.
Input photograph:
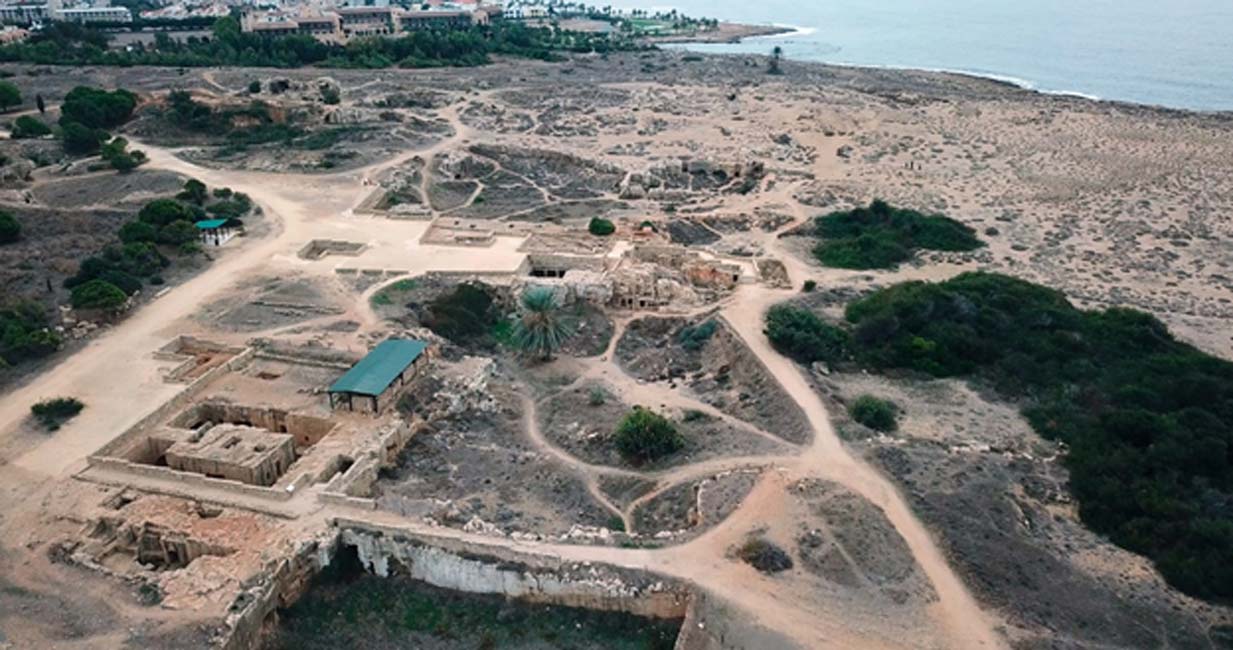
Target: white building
[94,15]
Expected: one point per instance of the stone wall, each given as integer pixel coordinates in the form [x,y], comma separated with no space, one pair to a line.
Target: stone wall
[465,566]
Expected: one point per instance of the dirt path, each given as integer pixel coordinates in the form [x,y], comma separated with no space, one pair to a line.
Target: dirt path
[956,609]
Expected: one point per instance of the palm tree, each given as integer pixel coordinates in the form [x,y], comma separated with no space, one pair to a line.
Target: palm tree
[542,326]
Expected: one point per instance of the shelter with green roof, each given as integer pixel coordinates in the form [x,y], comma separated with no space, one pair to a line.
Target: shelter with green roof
[378,378]
[216,232]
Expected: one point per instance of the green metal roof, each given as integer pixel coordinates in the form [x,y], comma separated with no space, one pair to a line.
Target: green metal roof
[375,372]
[210,224]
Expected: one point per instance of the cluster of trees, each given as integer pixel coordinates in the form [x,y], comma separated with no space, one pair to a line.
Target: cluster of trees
[106,280]
[881,236]
[228,46]
[1148,420]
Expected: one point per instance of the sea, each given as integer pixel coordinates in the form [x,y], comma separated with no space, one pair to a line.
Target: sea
[1174,53]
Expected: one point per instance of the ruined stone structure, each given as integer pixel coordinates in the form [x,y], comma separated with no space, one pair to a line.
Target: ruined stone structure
[239,453]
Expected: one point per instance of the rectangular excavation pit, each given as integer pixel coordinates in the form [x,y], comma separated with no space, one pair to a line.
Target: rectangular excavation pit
[197,357]
[320,248]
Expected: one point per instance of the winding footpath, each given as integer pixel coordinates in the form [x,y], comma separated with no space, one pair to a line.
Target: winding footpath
[116,375]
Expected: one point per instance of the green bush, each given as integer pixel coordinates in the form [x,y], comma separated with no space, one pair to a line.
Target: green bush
[601,227]
[809,286]
[881,236]
[800,334]
[26,126]
[51,413]
[97,294]
[764,555]
[254,87]
[25,333]
[877,414]
[597,396]
[1147,419]
[10,96]
[644,436]
[694,337]
[10,228]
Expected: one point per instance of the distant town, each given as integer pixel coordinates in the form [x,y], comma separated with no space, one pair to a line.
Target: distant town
[329,21]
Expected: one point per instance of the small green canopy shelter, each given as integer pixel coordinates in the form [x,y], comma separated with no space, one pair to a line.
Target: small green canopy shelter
[375,373]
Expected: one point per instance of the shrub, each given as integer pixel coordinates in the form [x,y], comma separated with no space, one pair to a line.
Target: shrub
[9,95]
[25,333]
[98,294]
[764,556]
[644,436]
[601,227]
[597,396]
[800,334]
[877,414]
[26,126]
[254,87]
[694,337]
[51,413]
[809,286]
[177,233]
[881,236]
[10,228]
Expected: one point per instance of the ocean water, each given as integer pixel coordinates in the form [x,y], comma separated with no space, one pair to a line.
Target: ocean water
[1176,53]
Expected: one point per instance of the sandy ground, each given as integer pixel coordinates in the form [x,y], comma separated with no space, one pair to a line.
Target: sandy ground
[1113,204]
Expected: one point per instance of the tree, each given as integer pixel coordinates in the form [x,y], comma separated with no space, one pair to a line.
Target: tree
[177,233]
[194,191]
[601,227]
[81,139]
[542,326]
[26,126]
[161,212]
[38,101]
[254,87]
[10,228]
[644,435]
[776,55]
[98,294]
[96,108]
[138,231]
[9,95]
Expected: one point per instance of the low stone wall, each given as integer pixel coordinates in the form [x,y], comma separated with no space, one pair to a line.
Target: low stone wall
[465,566]
[190,480]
